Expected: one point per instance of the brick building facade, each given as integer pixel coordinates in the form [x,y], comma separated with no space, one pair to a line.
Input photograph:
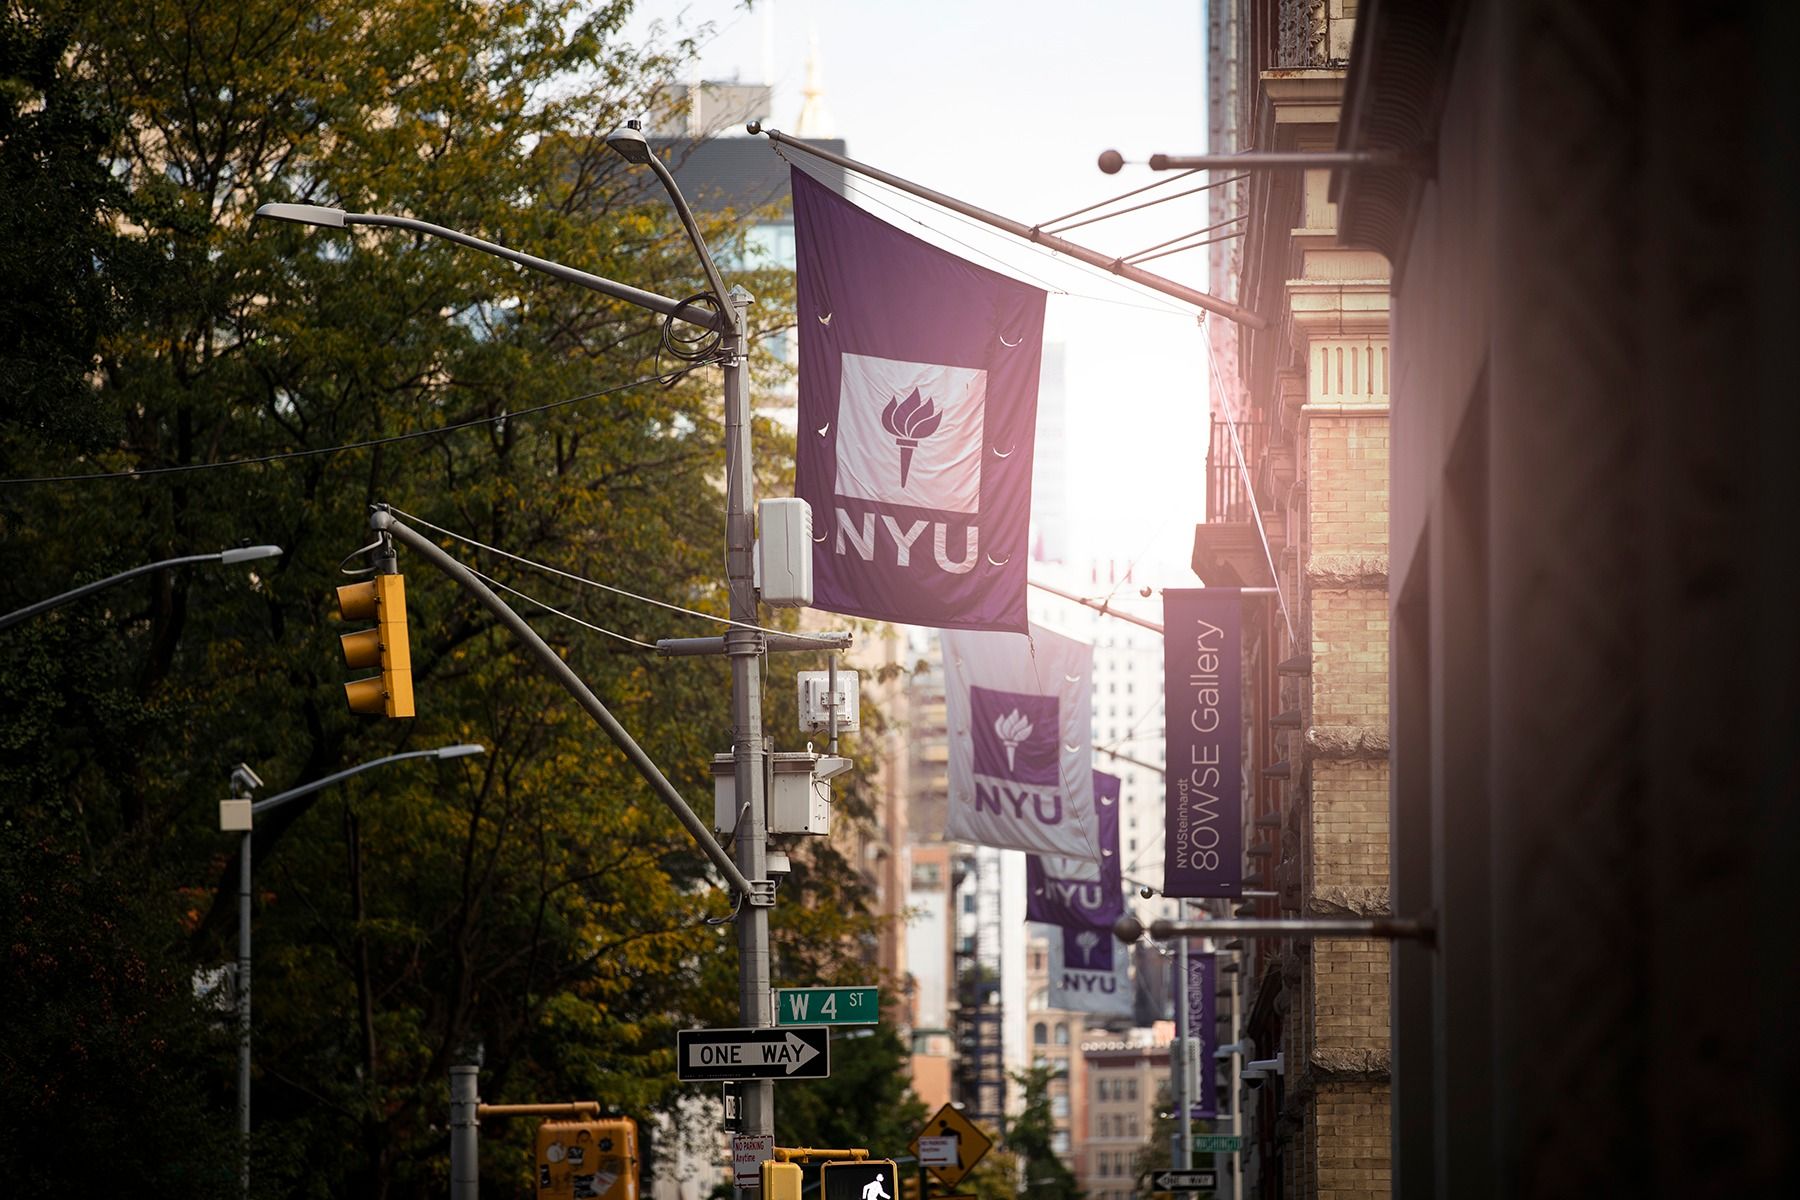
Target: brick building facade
[1298,501]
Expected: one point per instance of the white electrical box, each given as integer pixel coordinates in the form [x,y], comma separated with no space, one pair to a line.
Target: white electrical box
[815,705]
[234,816]
[784,551]
[799,802]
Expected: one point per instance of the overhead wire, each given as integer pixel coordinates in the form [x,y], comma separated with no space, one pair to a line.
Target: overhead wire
[559,612]
[1223,237]
[1205,187]
[1145,253]
[1153,304]
[1137,191]
[666,379]
[824,641]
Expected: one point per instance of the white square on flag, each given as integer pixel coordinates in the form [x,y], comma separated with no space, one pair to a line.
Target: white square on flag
[910,433]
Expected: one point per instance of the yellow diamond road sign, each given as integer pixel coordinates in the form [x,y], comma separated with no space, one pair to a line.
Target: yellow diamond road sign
[971,1144]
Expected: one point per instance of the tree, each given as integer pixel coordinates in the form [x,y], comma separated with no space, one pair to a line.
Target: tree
[864,1102]
[1032,1138]
[534,908]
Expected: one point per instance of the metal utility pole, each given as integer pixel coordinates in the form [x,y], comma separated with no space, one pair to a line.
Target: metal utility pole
[1184,1129]
[244,779]
[744,643]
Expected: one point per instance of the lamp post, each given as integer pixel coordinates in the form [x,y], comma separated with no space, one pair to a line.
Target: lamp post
[228,557]
[743,643]
[240,815]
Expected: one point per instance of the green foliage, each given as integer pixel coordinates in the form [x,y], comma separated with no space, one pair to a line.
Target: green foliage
[864,1102]
[535,907]
[1032,1138]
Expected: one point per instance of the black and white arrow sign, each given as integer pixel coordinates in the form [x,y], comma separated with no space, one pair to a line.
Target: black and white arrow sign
[794,1052]
[1183,1181]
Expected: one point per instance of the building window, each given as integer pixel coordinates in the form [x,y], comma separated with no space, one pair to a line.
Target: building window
[1040,1033]
[1131,1089]
[1062,1033]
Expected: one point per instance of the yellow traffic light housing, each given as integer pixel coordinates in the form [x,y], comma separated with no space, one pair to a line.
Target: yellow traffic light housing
[382,599]
[780,1180]
[588,1160]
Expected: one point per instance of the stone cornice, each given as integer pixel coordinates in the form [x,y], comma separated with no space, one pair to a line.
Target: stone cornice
[1348,570]
[1344,743]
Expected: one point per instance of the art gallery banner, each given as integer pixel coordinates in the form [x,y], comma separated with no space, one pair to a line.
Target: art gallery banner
[1203,836]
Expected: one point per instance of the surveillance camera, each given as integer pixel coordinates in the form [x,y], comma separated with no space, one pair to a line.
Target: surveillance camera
[1254,1081]
[1146,891]
[242,776]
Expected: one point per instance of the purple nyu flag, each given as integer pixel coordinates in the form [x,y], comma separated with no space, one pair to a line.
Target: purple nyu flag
[918,410]
[1203,835]
[1076,893]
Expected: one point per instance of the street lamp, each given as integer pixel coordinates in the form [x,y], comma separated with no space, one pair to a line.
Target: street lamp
[228,557]
[238,815]
[721,313]
[743,642]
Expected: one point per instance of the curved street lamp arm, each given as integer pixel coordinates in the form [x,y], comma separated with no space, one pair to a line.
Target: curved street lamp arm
[337,218]
[306,789]
[31,610]
[713,279]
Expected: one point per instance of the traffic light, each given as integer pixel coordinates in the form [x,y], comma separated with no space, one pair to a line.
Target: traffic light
[588,1160]
[382,598]
[780,1180]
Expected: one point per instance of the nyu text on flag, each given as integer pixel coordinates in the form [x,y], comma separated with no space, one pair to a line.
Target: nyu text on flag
[917,414]
[1088,971]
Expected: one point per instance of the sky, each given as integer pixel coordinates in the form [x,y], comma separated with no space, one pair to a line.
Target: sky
[1006,104]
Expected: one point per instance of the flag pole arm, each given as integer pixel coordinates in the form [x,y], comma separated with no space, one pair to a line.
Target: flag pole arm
[1105,608]
[1030,233]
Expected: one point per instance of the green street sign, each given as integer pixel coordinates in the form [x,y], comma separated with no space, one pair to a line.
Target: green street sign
[1222,1143]
[827,1006]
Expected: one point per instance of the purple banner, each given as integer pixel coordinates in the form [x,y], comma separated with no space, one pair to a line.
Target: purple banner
[1073,893]
[917,415]
[1203,1030]
[1203,834]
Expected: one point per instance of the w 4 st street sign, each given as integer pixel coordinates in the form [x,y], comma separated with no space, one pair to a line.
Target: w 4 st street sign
[803,1053]
[827,1006]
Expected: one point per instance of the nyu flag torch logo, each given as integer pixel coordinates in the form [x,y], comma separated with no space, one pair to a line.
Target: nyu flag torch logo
[1012,729]
[1088,950]
[910,423]
[1018,763]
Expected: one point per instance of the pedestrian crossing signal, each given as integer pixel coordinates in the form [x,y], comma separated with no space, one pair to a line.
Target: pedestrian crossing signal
[868,1179]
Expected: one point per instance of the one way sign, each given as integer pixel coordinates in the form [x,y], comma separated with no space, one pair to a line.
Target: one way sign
[795,1052]
[1183,1181]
